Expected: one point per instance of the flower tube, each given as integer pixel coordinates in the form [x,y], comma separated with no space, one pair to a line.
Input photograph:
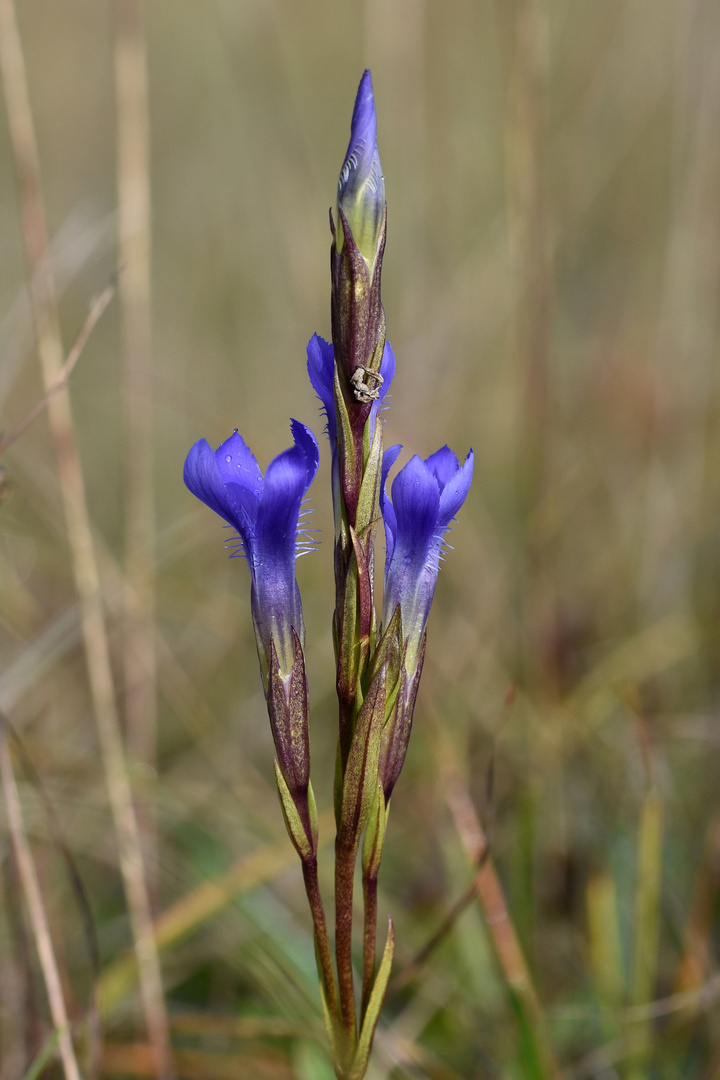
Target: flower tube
[426,496]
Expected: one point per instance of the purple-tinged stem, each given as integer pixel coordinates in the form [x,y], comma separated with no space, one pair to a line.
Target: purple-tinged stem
[345,857]
[312,888]
[369,939]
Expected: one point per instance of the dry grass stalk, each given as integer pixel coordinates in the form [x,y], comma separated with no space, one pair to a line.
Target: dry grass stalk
[85,570]
[38,918]
[134,229]
[96,309]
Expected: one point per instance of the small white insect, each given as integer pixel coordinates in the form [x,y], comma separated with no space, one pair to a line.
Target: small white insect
[365,391]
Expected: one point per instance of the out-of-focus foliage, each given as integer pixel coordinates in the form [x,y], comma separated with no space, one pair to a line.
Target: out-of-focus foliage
[551,286]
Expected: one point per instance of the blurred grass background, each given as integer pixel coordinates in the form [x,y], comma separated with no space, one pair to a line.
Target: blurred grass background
[551,287]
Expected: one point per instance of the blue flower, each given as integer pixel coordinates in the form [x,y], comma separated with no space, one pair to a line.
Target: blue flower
[321,370]
[361,188]
[426,496]
[266,513]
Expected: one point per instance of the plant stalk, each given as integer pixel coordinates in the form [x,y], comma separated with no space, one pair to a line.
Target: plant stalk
[312,889]
[345,856]
[370,881]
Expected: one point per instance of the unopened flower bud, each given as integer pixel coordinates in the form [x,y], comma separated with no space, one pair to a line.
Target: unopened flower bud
[361,188]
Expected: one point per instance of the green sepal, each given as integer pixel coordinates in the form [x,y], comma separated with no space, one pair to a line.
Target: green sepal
[347,671]
[364,599]
[396,732]
[374,834]
[262,653]
[361,769]
[313,815]
[359,1065]
[345,442]
[293,824]
[368,509]
[288,709]
[388,654]
[391,700]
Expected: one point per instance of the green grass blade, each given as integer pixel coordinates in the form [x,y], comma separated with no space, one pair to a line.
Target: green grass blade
[45,1055]
[647,925]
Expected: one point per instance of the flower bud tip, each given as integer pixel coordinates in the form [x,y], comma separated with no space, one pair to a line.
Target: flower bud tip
[361,187]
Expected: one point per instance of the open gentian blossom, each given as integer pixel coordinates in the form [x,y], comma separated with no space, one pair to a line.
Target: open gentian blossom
[266,513]
[426,496]
[361,187]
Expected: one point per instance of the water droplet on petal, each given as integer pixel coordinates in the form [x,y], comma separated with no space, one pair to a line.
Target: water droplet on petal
[228,458]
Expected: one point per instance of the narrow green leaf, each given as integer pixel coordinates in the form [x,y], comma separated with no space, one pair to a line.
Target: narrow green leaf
[372,1015]
[606,949]
[310,1061]
[45,1055]
[530,1042]
[647,899]
[647,919]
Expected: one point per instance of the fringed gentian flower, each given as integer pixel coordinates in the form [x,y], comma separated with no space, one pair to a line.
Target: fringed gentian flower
[426,496]
[361,187]
[266,513]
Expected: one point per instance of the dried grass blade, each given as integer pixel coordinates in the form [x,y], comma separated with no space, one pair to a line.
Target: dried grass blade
[38,918]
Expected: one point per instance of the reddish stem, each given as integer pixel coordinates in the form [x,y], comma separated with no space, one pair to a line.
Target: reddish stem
[369,939]
[312,888]
[344,875]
